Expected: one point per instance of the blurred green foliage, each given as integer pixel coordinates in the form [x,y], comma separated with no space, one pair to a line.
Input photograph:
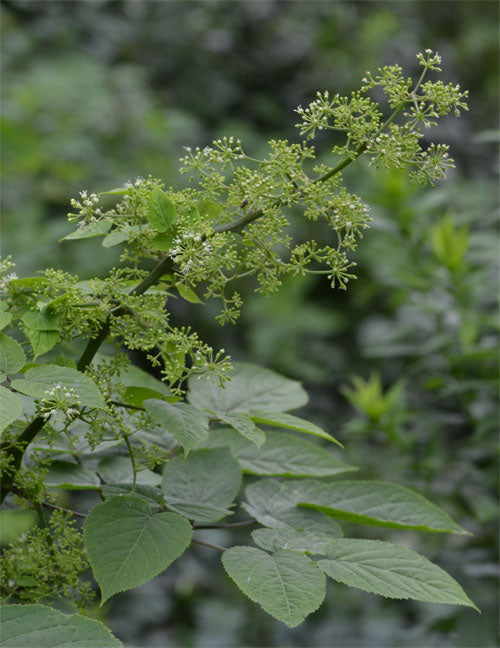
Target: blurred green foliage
[403,367]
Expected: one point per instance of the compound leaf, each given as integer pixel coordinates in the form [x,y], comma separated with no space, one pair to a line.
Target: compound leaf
[127,545]
[375,503]
[272,504]
[390,570]
[285,584]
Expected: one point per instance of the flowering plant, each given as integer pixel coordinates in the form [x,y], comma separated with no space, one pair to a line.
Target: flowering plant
[165,458]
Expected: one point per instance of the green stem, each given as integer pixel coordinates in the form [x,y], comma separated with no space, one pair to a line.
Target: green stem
[208,544]
[132,460]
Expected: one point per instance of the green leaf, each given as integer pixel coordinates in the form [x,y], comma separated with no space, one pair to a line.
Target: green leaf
[188,294]
[282,455]
[160,210]
[286,584]
[390,570]
[293,539]
[11,407]
[375,503]
[273,504]
[42,378]
[203,485]
[12,356]
[118,236]
[137,395]
[41,321]
[150,494]
[250,388]
[38,626]
[132,376]
[127,545]
[5,319]
[65,474]
[209,208]
[291,423]
[119,191]
[14,523]
[164,241]
[42,341]
[188,425]
[117,469]
[89,231]
[243,424]
[65,361]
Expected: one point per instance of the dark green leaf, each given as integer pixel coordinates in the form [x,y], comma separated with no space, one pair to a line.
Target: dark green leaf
[12,356]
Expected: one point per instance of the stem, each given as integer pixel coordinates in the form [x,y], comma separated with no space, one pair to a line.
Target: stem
[132,460]
[93,345]
[208,544]
[231,525]
[64,510]
[127,405]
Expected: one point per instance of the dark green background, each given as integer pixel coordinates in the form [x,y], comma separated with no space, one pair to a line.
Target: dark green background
[95,93]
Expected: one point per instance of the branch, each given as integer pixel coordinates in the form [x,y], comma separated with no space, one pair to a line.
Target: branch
[93,345]
[231,525]
[208,544]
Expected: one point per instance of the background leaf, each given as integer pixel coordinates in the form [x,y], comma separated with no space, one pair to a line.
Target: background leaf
[285,584]
[187,424]
[127,545]
[282,455]
[203,485]
[250,388]
[273,505]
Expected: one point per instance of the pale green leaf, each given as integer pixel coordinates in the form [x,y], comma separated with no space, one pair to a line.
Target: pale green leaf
[390,570]
[65,474]
[118,469]
[137,395]
[187,424]
[38,626]
[118,236]
[132,376]
[294,539]
[42,341]
[375,503]
[41,321]
[272,504]
[89,231]
[14,523]
[160,210]
[188,294]
[164,241]
[12,356]
[203,485]
[127,545]
[11,407]
[282,455]
[42,378]
[250,388]
[291,422]
[286,584]
[150,494]
[243,424]
[5,319]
